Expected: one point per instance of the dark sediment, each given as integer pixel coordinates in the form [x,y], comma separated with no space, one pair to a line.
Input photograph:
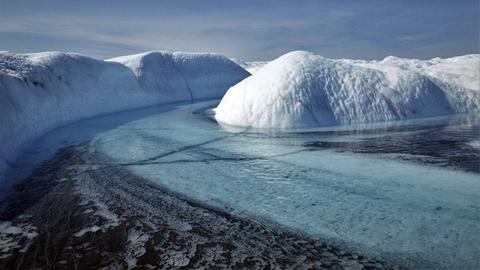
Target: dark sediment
[68,215]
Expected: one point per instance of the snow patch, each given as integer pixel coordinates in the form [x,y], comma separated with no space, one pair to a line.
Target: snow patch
[135,247]
[475,144]
[83,231]
[103,217]
[11,237]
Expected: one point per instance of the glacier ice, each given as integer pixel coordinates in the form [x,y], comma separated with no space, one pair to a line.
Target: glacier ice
[42,91]
[300,89]
[182,76]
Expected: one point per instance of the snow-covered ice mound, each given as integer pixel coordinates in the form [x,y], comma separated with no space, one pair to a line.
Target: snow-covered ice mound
[300,89]
[184,76]
[42,91]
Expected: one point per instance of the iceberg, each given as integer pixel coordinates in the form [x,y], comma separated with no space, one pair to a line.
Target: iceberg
[301,89]
[43,91]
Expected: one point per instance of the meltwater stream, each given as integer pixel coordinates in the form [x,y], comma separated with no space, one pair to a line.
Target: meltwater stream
[408,192]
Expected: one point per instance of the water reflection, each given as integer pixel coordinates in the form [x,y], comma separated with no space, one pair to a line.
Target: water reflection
[449,141]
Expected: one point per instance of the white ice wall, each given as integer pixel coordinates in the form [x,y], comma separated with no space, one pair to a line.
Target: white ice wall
[183,76]
[42,91]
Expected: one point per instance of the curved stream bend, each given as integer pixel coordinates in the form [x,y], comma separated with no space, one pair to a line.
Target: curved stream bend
[157,189]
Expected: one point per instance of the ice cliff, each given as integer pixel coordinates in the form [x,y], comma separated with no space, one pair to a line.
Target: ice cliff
[42,91]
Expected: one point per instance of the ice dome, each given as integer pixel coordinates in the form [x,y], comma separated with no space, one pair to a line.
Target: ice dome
[301,89]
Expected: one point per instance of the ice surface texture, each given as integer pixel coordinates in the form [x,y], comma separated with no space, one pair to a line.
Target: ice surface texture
[42,91]
[300,89]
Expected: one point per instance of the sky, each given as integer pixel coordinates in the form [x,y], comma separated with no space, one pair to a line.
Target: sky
[246,30]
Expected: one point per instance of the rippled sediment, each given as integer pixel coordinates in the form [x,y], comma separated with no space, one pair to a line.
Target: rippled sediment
[94,216]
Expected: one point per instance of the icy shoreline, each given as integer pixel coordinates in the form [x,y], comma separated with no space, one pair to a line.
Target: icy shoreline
[88,207]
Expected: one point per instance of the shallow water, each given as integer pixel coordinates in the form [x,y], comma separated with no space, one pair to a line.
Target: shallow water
[407,192]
